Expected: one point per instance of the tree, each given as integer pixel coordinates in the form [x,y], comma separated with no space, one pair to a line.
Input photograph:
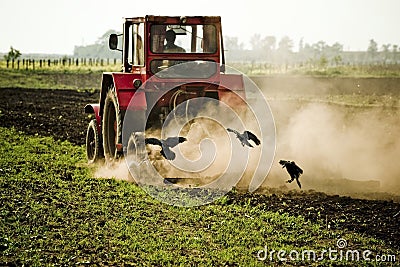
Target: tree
[319,49]
[285,47]
[268,47]
[13,54]
[286,44]
[323,62]
[301,45]
[336,48]
[337,60]
[269,43]
[232,43]
[372,49]
[386,51]
[395,52]
[255,42]
[334,52]
[307,53]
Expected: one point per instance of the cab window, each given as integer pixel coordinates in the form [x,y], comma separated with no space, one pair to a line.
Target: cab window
[183,39]
[136,44]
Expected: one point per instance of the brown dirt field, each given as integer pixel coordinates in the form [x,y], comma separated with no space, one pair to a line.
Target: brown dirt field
[300,85]
[56,113]
[375,218]
[59,113]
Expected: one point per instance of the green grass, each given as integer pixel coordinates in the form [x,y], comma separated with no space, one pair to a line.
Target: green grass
[52,212]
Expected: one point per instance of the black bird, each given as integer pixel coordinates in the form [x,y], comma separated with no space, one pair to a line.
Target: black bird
[165,145]
[293,170]
[245,137]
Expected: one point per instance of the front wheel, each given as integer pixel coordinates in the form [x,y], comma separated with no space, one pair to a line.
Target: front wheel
[94,150]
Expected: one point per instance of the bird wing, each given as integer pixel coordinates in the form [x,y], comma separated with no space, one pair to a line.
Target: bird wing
[152,141]
[167,153]
[253,137]
[174,141]
[298,169]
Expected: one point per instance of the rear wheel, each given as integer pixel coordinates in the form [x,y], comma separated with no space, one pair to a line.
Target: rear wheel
[111,126]
[93,146]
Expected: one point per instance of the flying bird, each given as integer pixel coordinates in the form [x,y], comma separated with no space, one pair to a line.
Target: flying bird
[293,170]
[245,137]
[166,145]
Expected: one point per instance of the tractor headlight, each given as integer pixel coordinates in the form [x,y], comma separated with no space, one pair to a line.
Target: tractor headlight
[137,83]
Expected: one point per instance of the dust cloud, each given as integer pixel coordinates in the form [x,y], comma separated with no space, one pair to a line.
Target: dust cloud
[209,153]
[117,170]
[340,148]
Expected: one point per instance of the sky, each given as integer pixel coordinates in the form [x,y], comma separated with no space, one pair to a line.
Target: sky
[57,26]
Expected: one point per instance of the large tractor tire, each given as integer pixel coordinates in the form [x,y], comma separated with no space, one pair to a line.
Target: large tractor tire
[111,126]
[94,149]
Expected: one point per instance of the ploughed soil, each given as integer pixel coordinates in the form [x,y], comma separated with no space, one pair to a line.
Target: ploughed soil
[377,218]
[56,113]
[60,114]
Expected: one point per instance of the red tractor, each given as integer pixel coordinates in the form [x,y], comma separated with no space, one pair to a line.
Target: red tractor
[150,45]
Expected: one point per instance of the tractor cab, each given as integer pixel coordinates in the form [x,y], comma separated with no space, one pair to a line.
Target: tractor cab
[153,43]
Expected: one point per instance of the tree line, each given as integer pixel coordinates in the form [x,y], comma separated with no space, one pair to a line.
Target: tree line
[270,49]
[265,49]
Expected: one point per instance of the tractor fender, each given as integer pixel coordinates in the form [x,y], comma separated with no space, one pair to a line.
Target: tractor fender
[231,90]
[94,109]
[123,83]
[232,82]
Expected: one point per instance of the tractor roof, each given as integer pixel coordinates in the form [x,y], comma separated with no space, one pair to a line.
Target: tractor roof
[176,19]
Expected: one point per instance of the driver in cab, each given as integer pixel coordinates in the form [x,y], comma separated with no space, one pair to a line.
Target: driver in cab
[171,47]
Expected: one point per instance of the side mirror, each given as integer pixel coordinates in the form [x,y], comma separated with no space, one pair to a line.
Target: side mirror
[113,42]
